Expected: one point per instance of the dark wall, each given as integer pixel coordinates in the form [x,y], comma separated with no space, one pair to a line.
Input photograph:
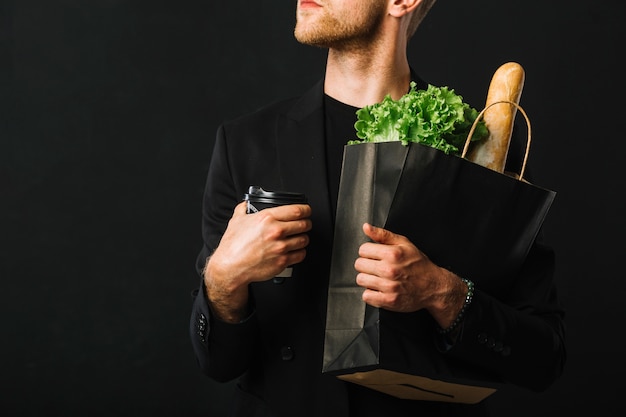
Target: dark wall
[109,109]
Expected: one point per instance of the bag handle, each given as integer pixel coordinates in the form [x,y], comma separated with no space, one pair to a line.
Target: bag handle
[480,115]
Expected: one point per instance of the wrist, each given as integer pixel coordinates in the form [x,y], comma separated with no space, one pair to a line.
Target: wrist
[228,301]
[454,325]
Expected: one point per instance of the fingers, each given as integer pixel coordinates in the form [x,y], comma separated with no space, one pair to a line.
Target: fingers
[283,230]
[296,242]
[372,282]
[291,219]
[380,235]
[287,212]
[240,209]
[295,257]
[291,212]
[374,298]
[381,293]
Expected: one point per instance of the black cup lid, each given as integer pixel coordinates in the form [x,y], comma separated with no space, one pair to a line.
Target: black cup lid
[257,193]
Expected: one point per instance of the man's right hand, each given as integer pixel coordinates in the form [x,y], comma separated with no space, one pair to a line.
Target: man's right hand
[254,247]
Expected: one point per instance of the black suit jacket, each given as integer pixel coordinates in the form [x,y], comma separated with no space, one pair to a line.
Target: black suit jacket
[277,352]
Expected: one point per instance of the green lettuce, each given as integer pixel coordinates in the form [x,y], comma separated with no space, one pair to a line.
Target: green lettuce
[436,117]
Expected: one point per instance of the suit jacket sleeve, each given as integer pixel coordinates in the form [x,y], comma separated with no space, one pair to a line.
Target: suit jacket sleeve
[520,338]
[222,350]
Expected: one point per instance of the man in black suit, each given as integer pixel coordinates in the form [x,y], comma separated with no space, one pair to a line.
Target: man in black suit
[269,332]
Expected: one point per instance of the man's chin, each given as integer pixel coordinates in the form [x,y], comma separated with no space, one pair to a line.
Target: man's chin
[306,38]
[312,42]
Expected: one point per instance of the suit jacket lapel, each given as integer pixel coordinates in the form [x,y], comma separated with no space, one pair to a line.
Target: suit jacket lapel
[302,150]
[303,168]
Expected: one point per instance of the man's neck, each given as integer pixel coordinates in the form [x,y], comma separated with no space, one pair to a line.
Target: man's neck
[360,79]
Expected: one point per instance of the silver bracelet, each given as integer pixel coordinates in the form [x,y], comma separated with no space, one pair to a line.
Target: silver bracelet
[461,315]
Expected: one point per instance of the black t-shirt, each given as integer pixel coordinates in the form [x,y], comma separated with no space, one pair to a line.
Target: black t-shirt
[339,129]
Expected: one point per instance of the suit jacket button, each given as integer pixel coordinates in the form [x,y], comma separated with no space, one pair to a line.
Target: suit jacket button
[278,280]
[201,325]
[202,322]
[286,352]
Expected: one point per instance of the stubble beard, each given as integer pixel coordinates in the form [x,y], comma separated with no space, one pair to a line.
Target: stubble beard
[355,30]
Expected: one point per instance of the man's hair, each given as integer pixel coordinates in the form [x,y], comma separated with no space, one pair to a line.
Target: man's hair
[418,16]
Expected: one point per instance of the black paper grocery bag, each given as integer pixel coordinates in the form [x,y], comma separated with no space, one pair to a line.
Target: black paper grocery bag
[474,221]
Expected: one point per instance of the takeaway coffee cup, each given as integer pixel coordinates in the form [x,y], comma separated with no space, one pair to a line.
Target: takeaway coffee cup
[258,199]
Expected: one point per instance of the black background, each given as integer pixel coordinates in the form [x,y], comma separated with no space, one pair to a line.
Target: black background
[109,110]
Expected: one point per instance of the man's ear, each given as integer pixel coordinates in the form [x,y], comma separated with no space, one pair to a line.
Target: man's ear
[401,7]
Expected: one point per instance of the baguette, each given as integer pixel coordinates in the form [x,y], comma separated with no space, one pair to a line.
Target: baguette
[506,85]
